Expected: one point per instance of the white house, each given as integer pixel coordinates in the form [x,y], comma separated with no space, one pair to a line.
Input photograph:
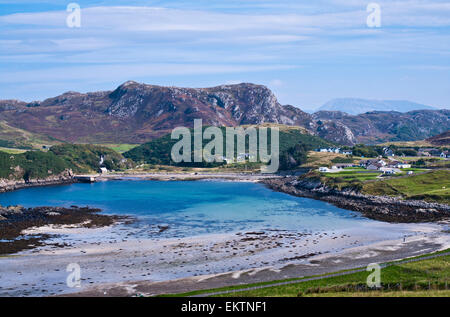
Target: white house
[103,170]
[344,165]
[403,165]
[324,169]
[388,170]
[331,150]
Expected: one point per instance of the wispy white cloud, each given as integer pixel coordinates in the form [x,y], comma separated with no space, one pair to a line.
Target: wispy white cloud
[127,71]
[212,37]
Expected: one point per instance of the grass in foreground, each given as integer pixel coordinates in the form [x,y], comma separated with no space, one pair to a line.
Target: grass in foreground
[431,293]
[429,277]
[414,277]
[224,289]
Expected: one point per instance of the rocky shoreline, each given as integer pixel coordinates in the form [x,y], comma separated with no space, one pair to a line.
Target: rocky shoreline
[7,185]
[389,209]
[383,208]
[15,220]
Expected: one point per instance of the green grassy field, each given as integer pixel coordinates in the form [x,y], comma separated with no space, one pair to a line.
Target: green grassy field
[428,277]
[432,186]
[430,293]
[428,185]
[353,175]
[422,276]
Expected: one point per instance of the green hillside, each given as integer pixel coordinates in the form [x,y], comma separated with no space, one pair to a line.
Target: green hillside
[32,164]
[78,158]
[86,157]
[294,144]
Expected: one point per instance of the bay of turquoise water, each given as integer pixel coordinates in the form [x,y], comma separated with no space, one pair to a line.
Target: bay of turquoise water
[195,208]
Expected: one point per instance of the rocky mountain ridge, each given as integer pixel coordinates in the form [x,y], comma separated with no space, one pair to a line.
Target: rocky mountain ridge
[137,113]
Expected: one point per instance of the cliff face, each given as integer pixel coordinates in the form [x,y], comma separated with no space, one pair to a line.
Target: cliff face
[136,113]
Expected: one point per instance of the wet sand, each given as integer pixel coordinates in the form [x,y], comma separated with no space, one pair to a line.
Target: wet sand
[114,263]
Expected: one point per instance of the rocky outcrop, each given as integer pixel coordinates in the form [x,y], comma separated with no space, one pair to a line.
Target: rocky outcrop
[13,184]
[336,132]
[390,209]
[14,220]
[136,112]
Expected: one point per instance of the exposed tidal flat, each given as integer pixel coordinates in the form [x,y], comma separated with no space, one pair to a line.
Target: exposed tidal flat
[202,234]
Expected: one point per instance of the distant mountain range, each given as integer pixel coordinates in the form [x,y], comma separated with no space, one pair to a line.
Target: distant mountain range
[357,106]
[138,113]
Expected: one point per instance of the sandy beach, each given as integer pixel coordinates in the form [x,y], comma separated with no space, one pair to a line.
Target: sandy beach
[122,260]
[115,263]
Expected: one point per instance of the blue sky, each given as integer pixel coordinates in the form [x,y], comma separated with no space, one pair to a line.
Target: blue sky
[307,52]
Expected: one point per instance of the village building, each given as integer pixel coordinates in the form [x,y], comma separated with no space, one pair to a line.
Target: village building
[389,170]
[374,166]
[330,150]
[367,163]
[393,164]
[344,165]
